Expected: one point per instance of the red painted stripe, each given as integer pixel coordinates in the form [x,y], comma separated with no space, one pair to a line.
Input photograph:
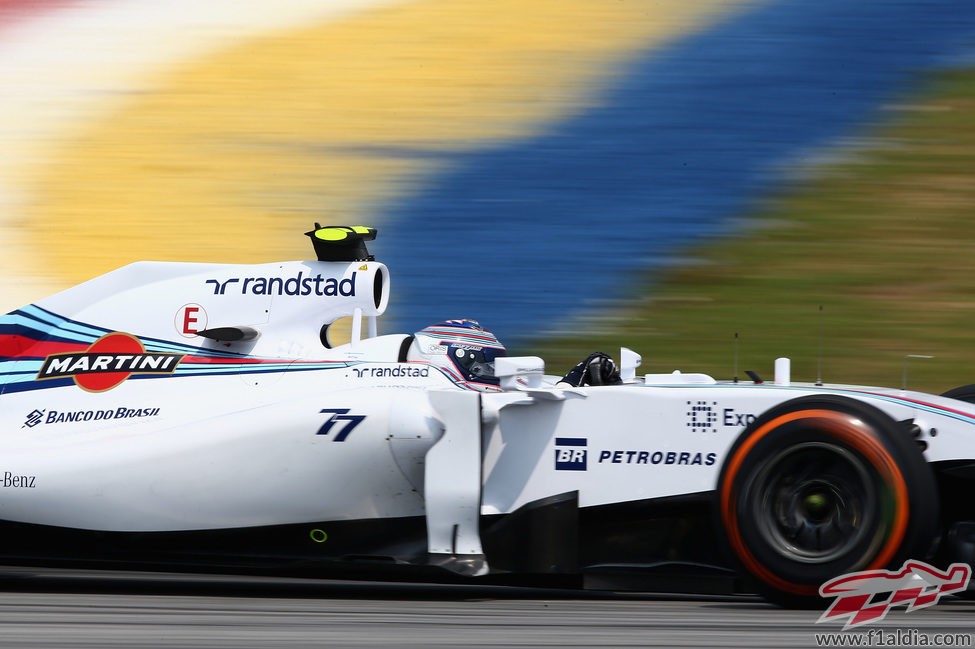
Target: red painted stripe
[13,12]
[28,7]
[192,358]
[13,346]
[917,401]
[250,360]
[460,334]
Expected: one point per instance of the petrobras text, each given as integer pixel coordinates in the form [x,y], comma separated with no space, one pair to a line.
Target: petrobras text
[298,285]
[681,458]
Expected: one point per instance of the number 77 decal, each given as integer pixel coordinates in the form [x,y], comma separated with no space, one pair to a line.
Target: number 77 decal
[340,415]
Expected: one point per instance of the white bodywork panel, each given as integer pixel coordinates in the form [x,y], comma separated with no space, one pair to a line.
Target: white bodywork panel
[453,475]
[291,299]
[282,430]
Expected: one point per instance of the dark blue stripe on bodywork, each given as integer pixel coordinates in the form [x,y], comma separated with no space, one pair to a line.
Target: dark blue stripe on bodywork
[570,441]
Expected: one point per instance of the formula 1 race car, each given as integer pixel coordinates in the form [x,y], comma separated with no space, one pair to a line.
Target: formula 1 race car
[214,417]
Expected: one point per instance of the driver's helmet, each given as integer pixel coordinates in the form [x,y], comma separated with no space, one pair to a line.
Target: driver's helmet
[462,349]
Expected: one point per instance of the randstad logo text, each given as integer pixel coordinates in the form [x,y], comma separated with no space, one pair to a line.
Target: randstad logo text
[299,285]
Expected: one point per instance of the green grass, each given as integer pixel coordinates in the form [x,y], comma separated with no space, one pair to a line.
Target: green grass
[883,238]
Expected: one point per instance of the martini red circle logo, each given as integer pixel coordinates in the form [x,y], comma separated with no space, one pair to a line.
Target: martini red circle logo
[107,362]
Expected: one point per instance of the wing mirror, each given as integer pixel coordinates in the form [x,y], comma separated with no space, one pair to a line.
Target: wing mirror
[518,372]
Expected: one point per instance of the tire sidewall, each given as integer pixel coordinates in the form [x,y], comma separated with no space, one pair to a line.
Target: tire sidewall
[903,483]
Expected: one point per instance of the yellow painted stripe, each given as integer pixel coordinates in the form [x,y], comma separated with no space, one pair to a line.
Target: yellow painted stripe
[232,156]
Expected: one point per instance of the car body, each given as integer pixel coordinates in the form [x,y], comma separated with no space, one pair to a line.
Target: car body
[200,417]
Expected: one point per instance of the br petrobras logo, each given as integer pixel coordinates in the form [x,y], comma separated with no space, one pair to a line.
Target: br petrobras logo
[570,454]
[110,360]
[865,597]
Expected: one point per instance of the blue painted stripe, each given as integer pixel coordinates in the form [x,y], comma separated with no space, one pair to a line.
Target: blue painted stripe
[51,327]
[901,401]
[570,441]
[86,333]
[864,395]
[13,382]
[683,140]
[20,365]
[27,386]
[25,326]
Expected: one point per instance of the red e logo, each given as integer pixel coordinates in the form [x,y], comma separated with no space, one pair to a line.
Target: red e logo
[190,319]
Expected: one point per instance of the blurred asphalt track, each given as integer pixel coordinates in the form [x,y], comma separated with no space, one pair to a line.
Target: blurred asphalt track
[57,609]
[524,160]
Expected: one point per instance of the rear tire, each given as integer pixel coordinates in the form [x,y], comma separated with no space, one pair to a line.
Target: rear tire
[821,486]
[962,393]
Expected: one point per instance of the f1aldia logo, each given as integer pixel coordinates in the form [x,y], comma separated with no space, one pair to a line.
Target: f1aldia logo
[110,360]
[867,596]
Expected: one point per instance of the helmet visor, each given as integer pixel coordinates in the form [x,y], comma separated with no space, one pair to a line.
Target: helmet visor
[476,362]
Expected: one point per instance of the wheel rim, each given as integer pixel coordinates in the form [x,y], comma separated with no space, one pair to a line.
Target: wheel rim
[813,502]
